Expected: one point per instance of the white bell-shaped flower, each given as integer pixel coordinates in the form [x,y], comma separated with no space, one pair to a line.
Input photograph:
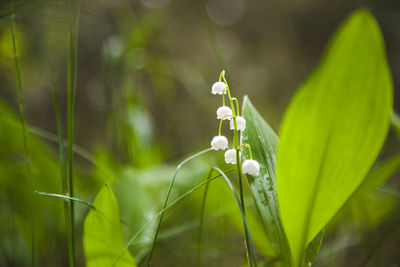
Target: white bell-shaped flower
[230,156]
[241,123]
[218,88]
[251,167]
[219,142]
[224,111]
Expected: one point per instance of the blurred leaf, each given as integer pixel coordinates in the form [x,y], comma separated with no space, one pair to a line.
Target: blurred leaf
[102,237]
[396,123]
[263,141]
[380,174]
[367,207]
[312,249]
[137,207]
[16,190]
[333,130]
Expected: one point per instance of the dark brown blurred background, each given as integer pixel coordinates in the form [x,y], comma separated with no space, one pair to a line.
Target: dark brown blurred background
[145,70]
[161,57]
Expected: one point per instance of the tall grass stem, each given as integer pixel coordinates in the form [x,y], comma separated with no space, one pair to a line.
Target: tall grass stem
[167,198]
[24,131]
[72,69]
[64,182]
[202,212]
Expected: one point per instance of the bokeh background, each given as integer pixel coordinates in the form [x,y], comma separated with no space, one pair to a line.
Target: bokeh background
[145,70]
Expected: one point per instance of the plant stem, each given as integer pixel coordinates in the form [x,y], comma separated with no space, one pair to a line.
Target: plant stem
[249,149]
[238,163]
[24,130]
[250,244]
[236,146]
[202,212]
[64,183]
[235,138]
[137,234]
[167,198]
[72,69]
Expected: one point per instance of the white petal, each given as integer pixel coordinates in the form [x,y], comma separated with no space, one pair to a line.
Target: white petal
[218,88]
[219,142]
[230,156]
[240,122]
[251,167]
[224,111]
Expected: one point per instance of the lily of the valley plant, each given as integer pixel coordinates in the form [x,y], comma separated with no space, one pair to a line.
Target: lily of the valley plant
[237,124]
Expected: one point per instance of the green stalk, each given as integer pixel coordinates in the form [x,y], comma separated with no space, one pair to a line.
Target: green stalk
[149,222]
[239,170]
[250,244]
[64,182]
[72,68]
[236,145]
[167,197]
[211,33]
[202,212]
[61,155]
[24,129]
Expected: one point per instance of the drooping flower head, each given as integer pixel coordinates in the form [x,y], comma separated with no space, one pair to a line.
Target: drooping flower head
[218,88]
[224,112]
[230,156]
[219,142]
[237,123]
[251,167]
[240,122]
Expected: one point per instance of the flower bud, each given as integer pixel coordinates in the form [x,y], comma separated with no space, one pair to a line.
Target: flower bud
[224,111]
[219,142]
[241,123]
[218,88]
[230,156]
[251,167]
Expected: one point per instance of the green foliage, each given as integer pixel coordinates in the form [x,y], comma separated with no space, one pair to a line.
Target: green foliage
[333,130]
[16,190]
[367,207]
[102,239]
[263,140]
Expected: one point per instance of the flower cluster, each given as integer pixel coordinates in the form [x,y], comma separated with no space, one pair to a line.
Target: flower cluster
[237,124]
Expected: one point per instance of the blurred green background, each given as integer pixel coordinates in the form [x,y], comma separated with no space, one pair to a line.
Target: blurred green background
[145,70]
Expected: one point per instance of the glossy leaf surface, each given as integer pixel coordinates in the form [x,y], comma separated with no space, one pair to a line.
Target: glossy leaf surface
[333,130]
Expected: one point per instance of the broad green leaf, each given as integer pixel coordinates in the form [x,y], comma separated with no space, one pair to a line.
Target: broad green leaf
[333,130]
[263,141]
[366,208]
[102,239]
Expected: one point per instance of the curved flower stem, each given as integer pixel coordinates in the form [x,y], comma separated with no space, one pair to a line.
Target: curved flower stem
[223,96]
[236,144]
[220,123]
[237,105]
[248,147]
[221,74]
